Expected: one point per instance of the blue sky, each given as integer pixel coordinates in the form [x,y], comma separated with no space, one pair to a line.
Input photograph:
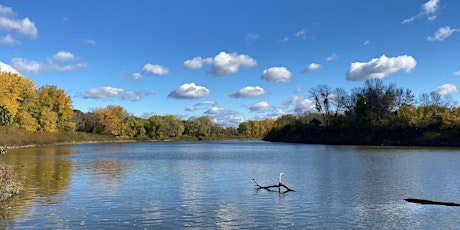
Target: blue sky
[230,60]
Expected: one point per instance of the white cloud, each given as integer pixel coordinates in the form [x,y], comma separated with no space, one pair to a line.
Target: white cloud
[442,33]
[366,42]
[215,110]
[4,10]
[189,91]
[300,103]
[222,64]
[155,69]
[112,92]
[134,77]
[197,63]
[63,56]
[212,103]
[302,34]
[13,26]
[225,64]
[248,92]
[276,74]
[8,40]
[102,92]
[446,89]
[276,114]
[429,9]
[259,106]
[7,68]
[456,73]
[380,67]
[190,108]
[54,63]
[332,57]
[311,67]
[25,65]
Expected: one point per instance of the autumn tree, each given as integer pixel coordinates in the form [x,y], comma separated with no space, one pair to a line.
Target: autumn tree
[14,90]
[110,120]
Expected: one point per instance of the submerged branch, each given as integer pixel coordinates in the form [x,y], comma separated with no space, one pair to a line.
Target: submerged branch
[279,185]
[431,202]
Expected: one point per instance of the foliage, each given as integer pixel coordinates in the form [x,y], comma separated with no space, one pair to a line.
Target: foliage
[375,114]
[46,109]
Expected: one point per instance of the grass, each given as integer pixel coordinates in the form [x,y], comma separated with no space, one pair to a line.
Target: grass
[9,184]
[15,137]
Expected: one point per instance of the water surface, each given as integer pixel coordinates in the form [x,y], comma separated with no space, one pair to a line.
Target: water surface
[209,185]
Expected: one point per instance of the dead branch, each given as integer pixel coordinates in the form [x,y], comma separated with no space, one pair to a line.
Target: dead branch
[432,202]
[279,185]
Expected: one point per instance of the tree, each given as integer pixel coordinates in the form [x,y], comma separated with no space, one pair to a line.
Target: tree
[322,97]
[14,90]
[110,120]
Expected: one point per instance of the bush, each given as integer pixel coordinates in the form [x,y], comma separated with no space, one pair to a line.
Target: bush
[9,184]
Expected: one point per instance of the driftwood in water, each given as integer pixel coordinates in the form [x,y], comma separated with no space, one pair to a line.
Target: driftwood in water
[279,185]
[432,202]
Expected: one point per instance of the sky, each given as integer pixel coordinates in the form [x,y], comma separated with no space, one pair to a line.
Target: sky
[233,60]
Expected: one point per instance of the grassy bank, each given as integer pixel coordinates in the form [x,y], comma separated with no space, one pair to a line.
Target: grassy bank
[14,137]
[9,184]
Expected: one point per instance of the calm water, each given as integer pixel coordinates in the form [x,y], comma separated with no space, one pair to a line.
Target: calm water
[208,185]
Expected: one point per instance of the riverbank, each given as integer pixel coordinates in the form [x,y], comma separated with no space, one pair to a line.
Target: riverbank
[9,184]
[19,138]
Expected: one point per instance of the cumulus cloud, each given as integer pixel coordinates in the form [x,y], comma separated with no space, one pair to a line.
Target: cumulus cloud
[224,117]
[225,64]
[155,69]
[248,92]
[380,67]
[456,73]
[54,63]
[211,103]
[442,33]
[311,67]
[13,26]
[189,91]
[429,9]
[222,64]
[300,103]
[215,110]
[201,103]
[446,89]
[7,68]
[25,65]
[112,92]
[276,74]
[260,106]
[63,56]
[8,40]
[197,62]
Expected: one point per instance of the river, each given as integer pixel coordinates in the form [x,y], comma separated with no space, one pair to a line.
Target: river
[208,185]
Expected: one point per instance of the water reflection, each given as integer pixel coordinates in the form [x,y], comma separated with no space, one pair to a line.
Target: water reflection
[45,173]
[209,185]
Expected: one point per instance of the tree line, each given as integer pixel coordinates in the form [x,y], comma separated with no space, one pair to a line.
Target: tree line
[49,109]
[374,114]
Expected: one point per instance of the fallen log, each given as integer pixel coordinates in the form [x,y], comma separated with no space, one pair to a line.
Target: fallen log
[279,185]
[430,202]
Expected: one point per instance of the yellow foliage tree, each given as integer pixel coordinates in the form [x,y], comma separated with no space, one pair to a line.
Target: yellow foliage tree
[14,90]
